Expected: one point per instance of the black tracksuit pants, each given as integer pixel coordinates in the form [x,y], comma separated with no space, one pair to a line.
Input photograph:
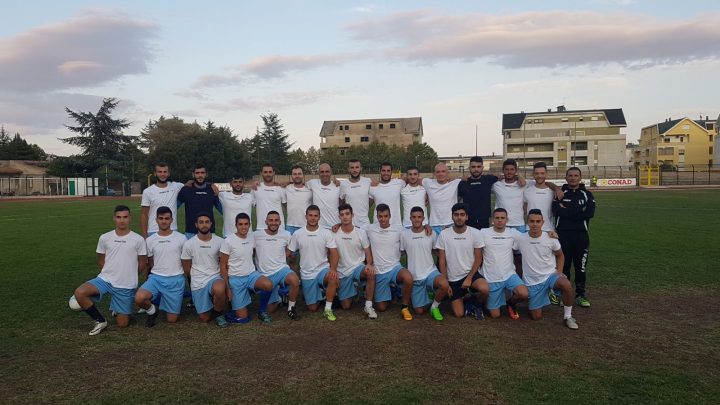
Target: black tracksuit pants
[575,245]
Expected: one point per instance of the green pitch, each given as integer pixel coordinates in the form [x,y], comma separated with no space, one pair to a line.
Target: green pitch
[652,334]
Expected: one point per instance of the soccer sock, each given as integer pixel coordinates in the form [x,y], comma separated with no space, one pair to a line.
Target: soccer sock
[94,313]
[567,312]
[434,305]
[151,310]
[328,305]
[291,305]
[264,299]
[368,304]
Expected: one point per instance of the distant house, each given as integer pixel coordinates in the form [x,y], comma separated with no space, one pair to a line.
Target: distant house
[392,131]
[679,143]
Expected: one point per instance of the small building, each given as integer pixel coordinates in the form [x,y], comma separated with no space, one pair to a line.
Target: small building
[391,131]
[461,163]
[677,143]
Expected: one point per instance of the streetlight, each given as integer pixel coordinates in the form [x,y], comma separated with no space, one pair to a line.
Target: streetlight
[416,157]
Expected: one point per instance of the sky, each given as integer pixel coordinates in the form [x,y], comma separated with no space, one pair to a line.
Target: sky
[459,65]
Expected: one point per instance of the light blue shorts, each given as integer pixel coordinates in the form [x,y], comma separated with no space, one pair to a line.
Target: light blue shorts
[170,289]
[421,288]
[382,284]
[292,229]
[241,287]
[438,228]
[278,281]
[496,297]
[347,284]
[313,289]
[520,228]
[538,293]
[122,300]
[202,298]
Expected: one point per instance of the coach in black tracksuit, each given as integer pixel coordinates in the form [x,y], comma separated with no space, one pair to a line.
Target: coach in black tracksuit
[572,222]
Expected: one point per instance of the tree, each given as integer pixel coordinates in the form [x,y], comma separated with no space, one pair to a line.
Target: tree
[275,143]
[17,148]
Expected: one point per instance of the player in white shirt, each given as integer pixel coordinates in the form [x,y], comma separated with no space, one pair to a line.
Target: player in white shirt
[298,197]
[163,193]
[413,195]
[459,259]
[238,269]
[498,266]
[269,196]
[387,192]
[356,192]
[166,278]
[540,194]
[385,243]
[442,193]
[271,261]
[201,259]
[543,260]
[509,194]
[121,256]
[234,202]
[356,261]
[419,245]
[318,262]
[326,196]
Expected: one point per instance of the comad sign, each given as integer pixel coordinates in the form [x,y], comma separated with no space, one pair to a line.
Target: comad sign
[616,182]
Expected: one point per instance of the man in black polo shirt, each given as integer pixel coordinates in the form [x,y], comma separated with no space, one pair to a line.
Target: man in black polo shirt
[199,196]
[475,193]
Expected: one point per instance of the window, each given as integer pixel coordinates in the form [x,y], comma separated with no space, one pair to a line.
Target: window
[579,145]
[347,139]
[347,127]
[368,126]
[686,126]
[710,136]
[682,139]
[342,151]
[381,126]
[711,152]
[341,127]
[538,121]
[593,119]
[564,119]
[666,140]
[364,139]
[537,135]
[710,126]
[392,126]
[666,151]
[681,152]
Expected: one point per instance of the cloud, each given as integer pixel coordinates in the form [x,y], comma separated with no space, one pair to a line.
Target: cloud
[85,51]
[542,38]
[273,102]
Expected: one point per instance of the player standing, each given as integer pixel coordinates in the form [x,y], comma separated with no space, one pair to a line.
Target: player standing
[163,193]
[326,196]
[235,202]
[298,197]
[475,193]
[413,195]
[268,197]
[442,193]
[387,192]
[356,192]
[198,197]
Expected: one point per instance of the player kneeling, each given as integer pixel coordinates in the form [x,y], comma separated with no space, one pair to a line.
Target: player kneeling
[419,245]
[498,267]
[166,277]
[542,261]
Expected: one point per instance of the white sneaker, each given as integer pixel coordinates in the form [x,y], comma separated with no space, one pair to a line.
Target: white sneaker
[571,323]
[370,311]
[141,310]
[99,327]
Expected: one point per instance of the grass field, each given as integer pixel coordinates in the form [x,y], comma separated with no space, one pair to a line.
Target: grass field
[652,335]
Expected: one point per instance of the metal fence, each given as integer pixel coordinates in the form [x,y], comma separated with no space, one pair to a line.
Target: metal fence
[11,186]
[689,175]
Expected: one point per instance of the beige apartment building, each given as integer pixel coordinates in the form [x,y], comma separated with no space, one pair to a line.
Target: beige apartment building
[678,143]
[566,137]
[392,131]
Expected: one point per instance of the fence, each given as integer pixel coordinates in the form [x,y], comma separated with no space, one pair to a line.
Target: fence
[32,185]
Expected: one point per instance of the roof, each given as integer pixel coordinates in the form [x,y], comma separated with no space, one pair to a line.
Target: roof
[409,125]
[615,116]
[665,126]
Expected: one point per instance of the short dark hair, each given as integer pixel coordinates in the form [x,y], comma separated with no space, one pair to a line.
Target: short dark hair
[273,212]
[417,209]
[120,208]
[534,211]
[199,166]
[573,168]
[382,208]
[344,207]
[353,160]
[458,207]
[242,215]
[312,207]
[412,168]
[386,164]
[476,159]
[237,176]
[163,210]
[509,162]
[267,165]
[161,164]
[297,167]
[203,214]
[496,210]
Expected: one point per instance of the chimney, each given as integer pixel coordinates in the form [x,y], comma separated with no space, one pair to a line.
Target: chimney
[549,109]
[561,108]
[707,118]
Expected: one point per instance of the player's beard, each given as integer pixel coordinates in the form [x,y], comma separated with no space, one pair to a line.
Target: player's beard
[205,232]
[355,177]
[161,181]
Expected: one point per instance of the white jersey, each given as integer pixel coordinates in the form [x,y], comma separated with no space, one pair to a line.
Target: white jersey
[351,248]
[498,260]
[538,259]
[385,243]
[268,198]
[313,247]
[155,197]
[413,196]
[459,251]
[121,258]
[418,247]
[327,198]
[540,198]
[233,204]
[205,258]
[270,251]
[510,197]
[298,199]
[240,254]
[166,251]
[441,197]
[389,193]
[358,196]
